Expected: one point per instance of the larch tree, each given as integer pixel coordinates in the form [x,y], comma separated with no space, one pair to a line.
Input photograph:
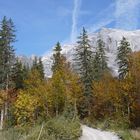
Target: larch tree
[58,80]
[32,100]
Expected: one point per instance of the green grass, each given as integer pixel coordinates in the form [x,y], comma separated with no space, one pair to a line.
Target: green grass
[58,128]
[62,128]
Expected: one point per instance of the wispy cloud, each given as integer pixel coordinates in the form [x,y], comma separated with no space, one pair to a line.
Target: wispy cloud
[103,18]
[127,13]
[75,14]
[124,14]
[101,24]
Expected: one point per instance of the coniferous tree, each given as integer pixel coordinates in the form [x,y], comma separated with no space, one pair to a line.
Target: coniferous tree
[83,60]
[7,60]
[96,68]
[57,58]
[65,92]
[58,79]
[18,77]
[20,74]
[35,63]
[100,60]
[41,68]
[123,58]
[38,65]
[26,70]
[7,54]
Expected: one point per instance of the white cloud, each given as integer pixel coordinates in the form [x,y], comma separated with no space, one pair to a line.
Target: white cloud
[75,14]
[127,13]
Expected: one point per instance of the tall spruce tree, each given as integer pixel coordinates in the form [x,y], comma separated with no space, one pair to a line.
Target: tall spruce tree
[7,54]
[7,60]
[123,58]
[100,60]
[83,60]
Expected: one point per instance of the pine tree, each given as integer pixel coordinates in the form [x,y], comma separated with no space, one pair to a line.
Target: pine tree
[123,58]
[83,60]
[100,60]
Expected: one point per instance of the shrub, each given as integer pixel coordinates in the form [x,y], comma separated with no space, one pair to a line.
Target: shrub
[64,129]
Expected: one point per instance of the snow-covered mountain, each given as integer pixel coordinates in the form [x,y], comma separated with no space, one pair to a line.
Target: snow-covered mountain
[111,37]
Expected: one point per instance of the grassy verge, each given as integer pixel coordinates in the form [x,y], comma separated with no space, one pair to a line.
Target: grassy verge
[120,127]
[58,128]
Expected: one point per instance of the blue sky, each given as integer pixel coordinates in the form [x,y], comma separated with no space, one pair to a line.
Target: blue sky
[41,23]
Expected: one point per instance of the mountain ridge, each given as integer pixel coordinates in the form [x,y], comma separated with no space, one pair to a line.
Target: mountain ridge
[111,38]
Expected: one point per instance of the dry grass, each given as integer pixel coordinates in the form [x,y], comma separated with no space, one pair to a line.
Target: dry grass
[136,133]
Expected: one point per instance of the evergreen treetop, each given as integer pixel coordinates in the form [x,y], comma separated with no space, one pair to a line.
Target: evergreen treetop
[100,60]
[123,58]
[57,58]
[38,65]
[7,54]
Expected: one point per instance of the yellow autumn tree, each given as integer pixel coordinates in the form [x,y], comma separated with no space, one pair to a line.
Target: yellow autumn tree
[128,90]
[31,103]
[64,90]
[57,92]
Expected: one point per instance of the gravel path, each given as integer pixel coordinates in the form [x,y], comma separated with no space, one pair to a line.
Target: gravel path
[95,134]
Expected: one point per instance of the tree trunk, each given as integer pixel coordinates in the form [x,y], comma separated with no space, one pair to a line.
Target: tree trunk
[128,110]
[2,119]
[75,110]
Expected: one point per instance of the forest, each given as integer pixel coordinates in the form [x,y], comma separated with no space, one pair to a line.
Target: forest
[86,92]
